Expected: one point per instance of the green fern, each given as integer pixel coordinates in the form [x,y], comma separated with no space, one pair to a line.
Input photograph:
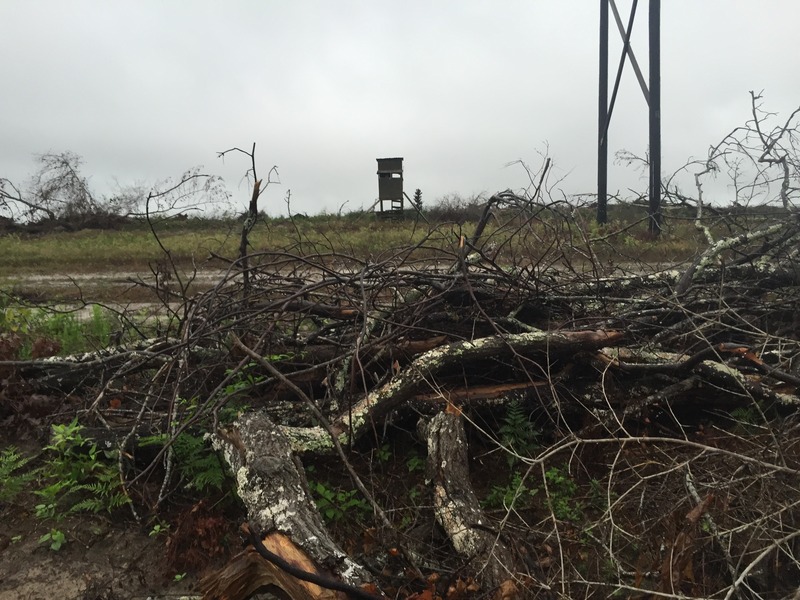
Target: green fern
[563,489]
[745,417]
[78,476]
[334,503]
[198,464]
[101,498]
[12,482]
[516,494]
[517,432]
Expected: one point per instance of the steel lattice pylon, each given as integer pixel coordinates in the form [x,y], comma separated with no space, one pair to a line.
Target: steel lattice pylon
[652,95]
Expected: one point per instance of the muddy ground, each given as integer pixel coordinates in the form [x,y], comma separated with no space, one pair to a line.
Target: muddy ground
[102,560]
[119,288]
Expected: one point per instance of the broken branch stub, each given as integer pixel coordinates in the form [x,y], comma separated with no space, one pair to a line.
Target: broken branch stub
[455,504]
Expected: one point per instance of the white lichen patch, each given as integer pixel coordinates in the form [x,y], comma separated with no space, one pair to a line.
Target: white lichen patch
[241,478]
[724,370]
[788,399]
[276,511]
[351,572]
[307,439]
[449,514]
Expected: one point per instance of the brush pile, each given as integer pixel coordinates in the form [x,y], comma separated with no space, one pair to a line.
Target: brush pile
[535,413]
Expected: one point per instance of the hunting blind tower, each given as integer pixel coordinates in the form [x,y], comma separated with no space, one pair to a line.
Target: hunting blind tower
[390,187]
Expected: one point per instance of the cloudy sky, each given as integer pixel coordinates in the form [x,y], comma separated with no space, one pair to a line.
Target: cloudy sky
[144,90]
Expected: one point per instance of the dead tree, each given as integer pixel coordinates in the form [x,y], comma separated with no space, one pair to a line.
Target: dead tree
[251,217]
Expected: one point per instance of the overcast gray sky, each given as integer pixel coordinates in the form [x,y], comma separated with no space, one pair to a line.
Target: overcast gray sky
[143,89]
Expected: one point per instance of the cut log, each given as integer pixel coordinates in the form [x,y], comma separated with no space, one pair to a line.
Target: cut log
[456,505]
[274,490]
[248,572]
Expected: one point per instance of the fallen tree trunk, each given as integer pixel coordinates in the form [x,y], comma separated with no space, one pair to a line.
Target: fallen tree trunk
[422,371]
[272,486]
[714,371]
[456,505]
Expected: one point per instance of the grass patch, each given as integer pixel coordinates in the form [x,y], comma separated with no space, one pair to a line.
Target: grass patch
[30,332]
[362,236]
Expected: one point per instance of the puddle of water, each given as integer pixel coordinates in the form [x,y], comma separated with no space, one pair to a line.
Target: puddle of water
[104,278]
[115,290]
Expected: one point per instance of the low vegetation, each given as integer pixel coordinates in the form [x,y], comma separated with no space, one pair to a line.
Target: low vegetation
[196,241]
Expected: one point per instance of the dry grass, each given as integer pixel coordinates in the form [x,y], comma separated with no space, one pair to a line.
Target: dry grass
[364,237]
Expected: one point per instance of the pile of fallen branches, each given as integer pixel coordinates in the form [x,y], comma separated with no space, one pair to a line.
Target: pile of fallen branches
[661,407]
